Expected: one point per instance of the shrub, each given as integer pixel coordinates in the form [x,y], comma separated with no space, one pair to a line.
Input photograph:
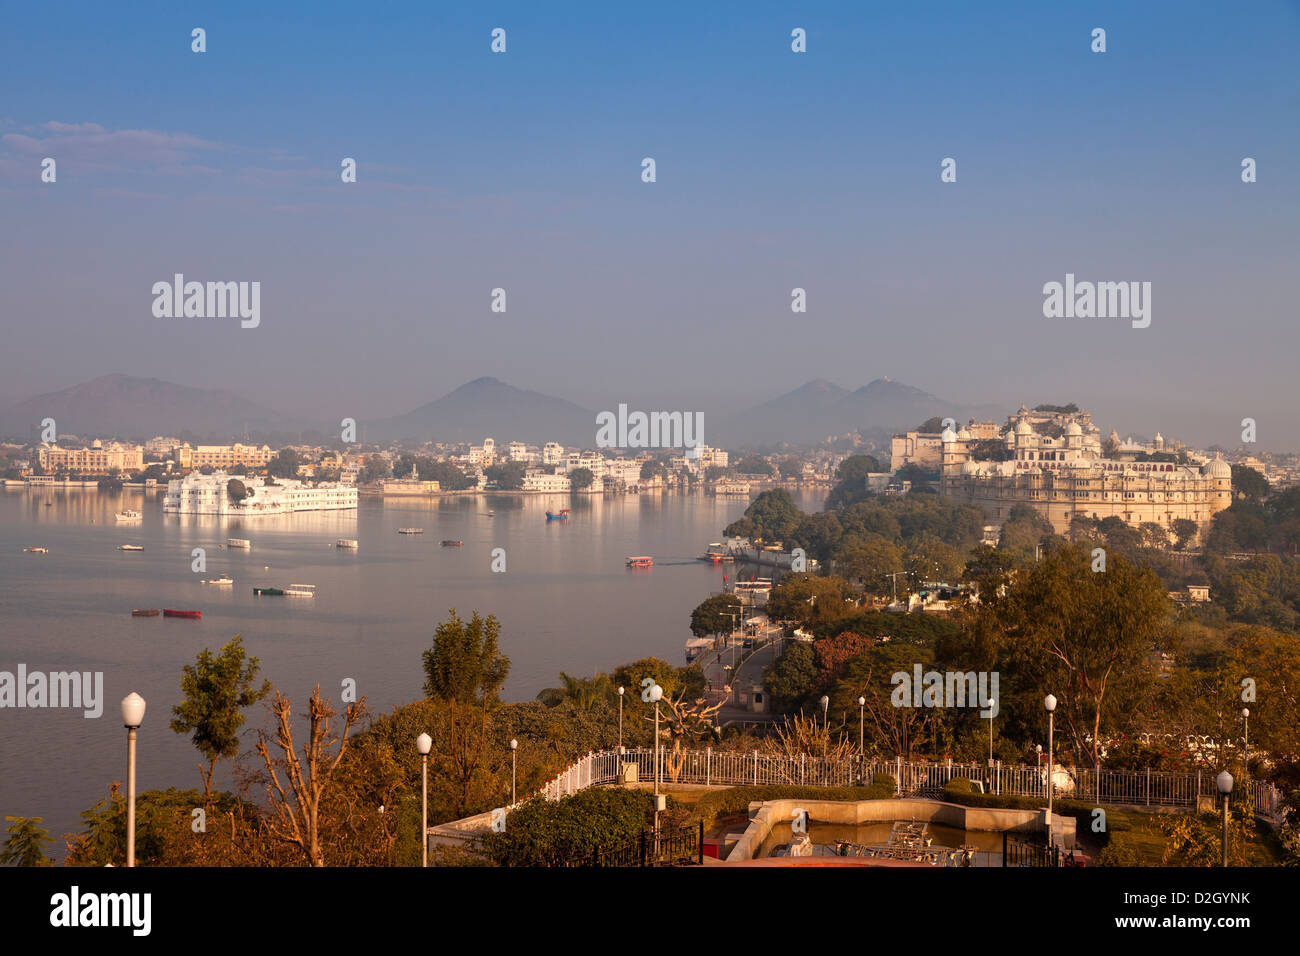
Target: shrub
[545,833]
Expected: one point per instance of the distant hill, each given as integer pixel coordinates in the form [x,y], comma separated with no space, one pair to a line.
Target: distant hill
[126,407]
[488,407]
[819,409]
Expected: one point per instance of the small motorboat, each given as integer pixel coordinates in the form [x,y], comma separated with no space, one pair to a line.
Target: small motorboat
[490,514]
[145,612]
[222,580]
[350,543]
[128,515]
[37,550]
[301,590]
[172,612]
[448,543]
[561,515]
[410,531]
[641,561]
[269,592]
[242,543]
[130,547]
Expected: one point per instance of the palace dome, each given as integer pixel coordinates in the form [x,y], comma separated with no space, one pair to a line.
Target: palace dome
[1022,428]
[1218,468]
[1073,429]
[948,436]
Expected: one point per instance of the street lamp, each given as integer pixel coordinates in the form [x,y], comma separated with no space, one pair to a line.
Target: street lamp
[992,706]
[1049,702]
[620,724]
[1224,782]
[132,717]
[514,746]
[826,704]
[1245,718]
[424,743]
[862,751]
[656,694]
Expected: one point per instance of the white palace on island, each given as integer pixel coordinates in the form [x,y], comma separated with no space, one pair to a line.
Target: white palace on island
[197,494]
[1057,464]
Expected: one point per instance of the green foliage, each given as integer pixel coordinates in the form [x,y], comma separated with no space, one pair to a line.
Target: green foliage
[1070,409]
[1249,484]
[508,476]
[792,678]
[214,691]
[810,599]
[581,478]
[771,517]
[163,821]
[931,426]
[547,833]
[753,465]
[734,801]
[26,843]
[284,464]
[674,680]
[236,491]
[464,663]
[717,614]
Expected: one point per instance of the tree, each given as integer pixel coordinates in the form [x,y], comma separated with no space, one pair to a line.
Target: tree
[448,475]
[215,689]
[688,681]
[296,802]
[581,479]
[792,678]
[508,476]
[770,517]
[870,559]
[464,663]
[1185,530]
[236,491]
[809,599]
[790,467]
[26,843]
[718,614]
[1249,484]
[284,464]
[373,469]
[931,426]
[851,481]
[753,465]
[1024,529]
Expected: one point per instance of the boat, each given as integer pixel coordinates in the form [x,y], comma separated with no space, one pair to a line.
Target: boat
[145,612]
[715,553]
[128,515]
[37,550]
[346,543]
[301,590]
[561,515]
[130,547]
[448,543]
[410,531]
[222,580]
[269,592]
[641,561]
[490,514]
[242,543]
[172,612]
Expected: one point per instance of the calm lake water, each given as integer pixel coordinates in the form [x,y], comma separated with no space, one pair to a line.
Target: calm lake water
[566,602]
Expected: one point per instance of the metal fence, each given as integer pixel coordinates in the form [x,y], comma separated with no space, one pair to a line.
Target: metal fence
[730,768]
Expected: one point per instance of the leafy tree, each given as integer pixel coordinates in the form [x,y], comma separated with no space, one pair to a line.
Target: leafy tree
[753,465]
[990,449]
[918,476]
[1024,529]
[674,680]
[581,478]
[790,467]
[851,481]
[1185,530]
[508,476]
[26,844]
[718,614]
[284,464]
[771,517]
[1249,484]
[931,426]
[653,469]
[1070,409]
[464,663]
[373,469]
[585,693]
[792,677]
[809,599]
[988,570]
[236,491]
[714,472]
[214,691]
[449,476]
[870,559]
[545,833]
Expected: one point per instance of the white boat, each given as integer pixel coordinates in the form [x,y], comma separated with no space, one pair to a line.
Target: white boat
[243,543]
[224,580]
[38,550]
[130,547]
[346,543]
[301,590]
[128,515]
[410,531]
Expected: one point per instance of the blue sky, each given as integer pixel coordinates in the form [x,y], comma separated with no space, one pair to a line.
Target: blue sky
[775,170]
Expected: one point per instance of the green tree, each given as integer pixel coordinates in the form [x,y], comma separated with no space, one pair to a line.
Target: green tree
[214,691]
[931,426]
[1185,530]
[373,469]
[236,491]
[810,599]
[792,678]
[581,479]
[508,476]
[464,663]
[790,467]
[717,614]
[1249,484]
[753,465]
[771,517]
[26,844]
[284,464]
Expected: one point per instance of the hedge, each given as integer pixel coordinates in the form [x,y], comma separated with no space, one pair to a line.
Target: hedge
[735,801]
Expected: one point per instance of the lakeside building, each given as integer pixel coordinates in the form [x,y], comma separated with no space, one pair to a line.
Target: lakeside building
[552,453]
[98,458]
[1058,467]
[197,494]
[222,456]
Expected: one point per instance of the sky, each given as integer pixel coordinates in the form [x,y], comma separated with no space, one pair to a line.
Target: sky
[522,170]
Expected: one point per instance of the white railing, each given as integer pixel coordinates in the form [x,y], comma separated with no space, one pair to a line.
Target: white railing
[730,768]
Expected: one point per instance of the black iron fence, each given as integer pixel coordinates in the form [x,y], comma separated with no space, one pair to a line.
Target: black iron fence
[683,846]
[1028,851]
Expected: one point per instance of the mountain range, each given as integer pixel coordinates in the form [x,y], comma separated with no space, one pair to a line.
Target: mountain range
[139,408]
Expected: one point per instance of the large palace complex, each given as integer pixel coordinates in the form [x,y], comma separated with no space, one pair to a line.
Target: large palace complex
[1055,461]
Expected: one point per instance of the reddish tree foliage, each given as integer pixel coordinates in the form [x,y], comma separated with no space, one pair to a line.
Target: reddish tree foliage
[834,653]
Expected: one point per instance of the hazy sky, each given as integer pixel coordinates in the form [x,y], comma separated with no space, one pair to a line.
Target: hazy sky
[522,170]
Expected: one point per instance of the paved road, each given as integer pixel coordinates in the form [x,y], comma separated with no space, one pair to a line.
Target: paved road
[717,667]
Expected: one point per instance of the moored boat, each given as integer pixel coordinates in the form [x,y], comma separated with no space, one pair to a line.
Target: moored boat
[448,543]
[641,561]
[350,543]
[38,550]
[269,592]
[145,612]
[242,543]
[561,515]
[221,580]
[301,590]
[410,531]
[172,612]
[128,515]
[130,547]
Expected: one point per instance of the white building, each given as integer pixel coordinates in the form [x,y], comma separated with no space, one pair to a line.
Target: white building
[198,494]
[545,481]
[552,453]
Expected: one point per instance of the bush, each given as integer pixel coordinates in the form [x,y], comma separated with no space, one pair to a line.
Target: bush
[545,833]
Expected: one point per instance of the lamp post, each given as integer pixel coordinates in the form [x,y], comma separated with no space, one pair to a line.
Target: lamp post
[826,728]
[1245,719]
[132,717]
[862,751]
[992,705]
[514,747]
[1224,782]
[656,694]
[424,743]
[620,722]
[1049,702]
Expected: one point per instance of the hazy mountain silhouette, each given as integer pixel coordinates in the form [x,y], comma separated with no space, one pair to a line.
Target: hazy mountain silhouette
[488,407]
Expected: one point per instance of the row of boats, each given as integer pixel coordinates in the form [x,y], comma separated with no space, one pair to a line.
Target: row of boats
[166,612]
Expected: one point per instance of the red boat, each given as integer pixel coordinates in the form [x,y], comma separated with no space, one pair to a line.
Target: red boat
[561,515]
[171,612]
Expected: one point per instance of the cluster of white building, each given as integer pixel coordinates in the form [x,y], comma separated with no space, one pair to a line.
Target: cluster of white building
[197,494]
